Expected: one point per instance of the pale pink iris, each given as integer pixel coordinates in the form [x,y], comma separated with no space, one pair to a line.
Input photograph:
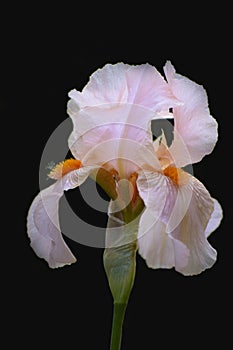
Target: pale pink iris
[111,130]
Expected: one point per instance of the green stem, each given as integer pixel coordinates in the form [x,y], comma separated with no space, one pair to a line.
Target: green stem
[120,264]
[120,267]
[118,319]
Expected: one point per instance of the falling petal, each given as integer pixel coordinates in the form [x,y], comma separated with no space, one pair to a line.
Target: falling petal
[158,248]
[43,221]
[215,218]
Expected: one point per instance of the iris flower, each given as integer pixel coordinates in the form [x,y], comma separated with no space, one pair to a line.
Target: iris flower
[111,130]
[112,141]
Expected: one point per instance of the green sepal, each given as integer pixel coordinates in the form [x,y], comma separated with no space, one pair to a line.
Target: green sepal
[120,256]
[120,267]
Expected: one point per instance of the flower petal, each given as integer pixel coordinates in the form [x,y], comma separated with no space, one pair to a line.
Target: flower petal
[181,211]
[157,247]
[106,85]
[152,188]
[121,132]
[162,151]
[194,129]
[44,230]
[191,229]
[121,83]
[43,221]
[215,218]
[147,87]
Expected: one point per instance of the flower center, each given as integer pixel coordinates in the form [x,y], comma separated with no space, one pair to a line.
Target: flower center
[172,173]
[178,176]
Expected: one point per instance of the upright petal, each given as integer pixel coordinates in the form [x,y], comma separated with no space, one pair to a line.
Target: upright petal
[147,87]
[194,129]
[120,132]
[106,85]
[121,83]
[162,151]
[43,221]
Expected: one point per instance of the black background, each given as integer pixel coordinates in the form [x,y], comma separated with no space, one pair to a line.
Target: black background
[46,53]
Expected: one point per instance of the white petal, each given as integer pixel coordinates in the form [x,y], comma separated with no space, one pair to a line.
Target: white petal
[121,132]
[162,151]
[186,210]
[43,221]
[185,90]
[191,230]
[165,114]
[121,83]
[180,152]
[77,177]
[157,247]
[177,204]
[106,85]
[44,230]
[195,131]
[146,87]
[215,218]
[152,187]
